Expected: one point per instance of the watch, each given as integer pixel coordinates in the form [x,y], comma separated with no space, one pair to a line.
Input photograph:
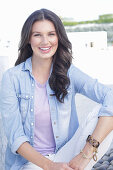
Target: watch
[93,141]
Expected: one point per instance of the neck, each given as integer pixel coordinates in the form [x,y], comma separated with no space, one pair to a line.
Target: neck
[41,69]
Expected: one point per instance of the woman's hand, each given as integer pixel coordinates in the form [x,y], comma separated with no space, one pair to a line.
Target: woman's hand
[79,162]
[58,166]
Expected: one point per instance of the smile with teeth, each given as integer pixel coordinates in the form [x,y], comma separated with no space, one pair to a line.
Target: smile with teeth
[45,48]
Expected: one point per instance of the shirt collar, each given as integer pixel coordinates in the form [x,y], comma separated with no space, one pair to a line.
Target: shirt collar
[27,65]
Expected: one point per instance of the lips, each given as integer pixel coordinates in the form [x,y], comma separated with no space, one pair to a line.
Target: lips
[45,49]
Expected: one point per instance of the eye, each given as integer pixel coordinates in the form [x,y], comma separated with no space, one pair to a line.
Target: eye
[52,34]
[37,35]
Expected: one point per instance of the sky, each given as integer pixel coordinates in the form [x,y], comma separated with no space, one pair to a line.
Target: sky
[13,13]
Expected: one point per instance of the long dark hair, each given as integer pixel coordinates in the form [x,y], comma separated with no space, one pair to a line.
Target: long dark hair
[59,80]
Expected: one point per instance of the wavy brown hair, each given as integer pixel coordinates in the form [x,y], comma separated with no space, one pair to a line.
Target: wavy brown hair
[59,80]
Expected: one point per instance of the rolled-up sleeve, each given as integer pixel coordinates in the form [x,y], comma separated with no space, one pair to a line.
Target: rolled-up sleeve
[94,90]
[9,109]
[107,105]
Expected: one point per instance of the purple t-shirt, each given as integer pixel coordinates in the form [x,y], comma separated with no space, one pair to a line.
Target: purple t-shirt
[43,134]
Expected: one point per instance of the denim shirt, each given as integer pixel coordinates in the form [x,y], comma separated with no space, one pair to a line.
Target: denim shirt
[17,108]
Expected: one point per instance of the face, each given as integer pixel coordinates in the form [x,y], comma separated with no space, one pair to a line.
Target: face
[43,40]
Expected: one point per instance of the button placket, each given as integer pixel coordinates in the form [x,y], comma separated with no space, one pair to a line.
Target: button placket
[57,136]
[31,110]
[32,84]
[26,97]
[54,123]
[32,124]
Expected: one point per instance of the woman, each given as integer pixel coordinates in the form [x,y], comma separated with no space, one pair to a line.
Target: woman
[38,102]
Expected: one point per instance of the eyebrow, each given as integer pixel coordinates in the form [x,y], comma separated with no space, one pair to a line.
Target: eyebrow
[40,32]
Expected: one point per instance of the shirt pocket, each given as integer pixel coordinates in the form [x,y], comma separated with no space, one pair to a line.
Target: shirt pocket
[24,100]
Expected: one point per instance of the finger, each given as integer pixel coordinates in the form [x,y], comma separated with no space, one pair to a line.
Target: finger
[69,168]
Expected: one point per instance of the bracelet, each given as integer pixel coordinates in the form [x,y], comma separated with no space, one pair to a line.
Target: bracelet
[94,155]
[84,155]
[93,141]
[95,145]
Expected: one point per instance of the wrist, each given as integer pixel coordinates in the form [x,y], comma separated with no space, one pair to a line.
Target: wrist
[90,139]
[88,149]
[47,164]
[89,152]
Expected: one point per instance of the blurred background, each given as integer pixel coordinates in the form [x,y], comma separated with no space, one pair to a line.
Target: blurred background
[89,26]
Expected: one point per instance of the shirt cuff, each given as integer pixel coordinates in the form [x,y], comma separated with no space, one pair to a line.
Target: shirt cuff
[106,111]
[19,141]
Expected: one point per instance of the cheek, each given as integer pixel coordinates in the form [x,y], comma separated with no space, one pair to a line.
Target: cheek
[55,42]
[34,42]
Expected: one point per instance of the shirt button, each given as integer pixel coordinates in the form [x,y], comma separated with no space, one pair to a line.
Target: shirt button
[57,136]
[32,84]
[31,110]
[31,137]
[26,97]
[32,124]
[32,97]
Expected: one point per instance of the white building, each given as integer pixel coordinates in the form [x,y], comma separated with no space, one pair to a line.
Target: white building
[88,39]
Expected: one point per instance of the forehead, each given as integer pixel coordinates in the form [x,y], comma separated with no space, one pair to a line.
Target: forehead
[43,25]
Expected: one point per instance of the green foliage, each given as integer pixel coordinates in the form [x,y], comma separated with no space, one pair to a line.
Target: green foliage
[110,20]
[70,23]
[107,18]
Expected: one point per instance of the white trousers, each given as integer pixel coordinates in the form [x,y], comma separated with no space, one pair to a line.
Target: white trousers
[73,147]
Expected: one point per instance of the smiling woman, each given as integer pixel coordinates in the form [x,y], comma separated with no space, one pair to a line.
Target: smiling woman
[37,103]
[43,41]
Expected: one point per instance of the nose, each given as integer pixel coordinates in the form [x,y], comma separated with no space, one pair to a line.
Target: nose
[45,40]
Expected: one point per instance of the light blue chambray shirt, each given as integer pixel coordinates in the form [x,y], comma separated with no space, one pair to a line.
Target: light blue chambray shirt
[17,108]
